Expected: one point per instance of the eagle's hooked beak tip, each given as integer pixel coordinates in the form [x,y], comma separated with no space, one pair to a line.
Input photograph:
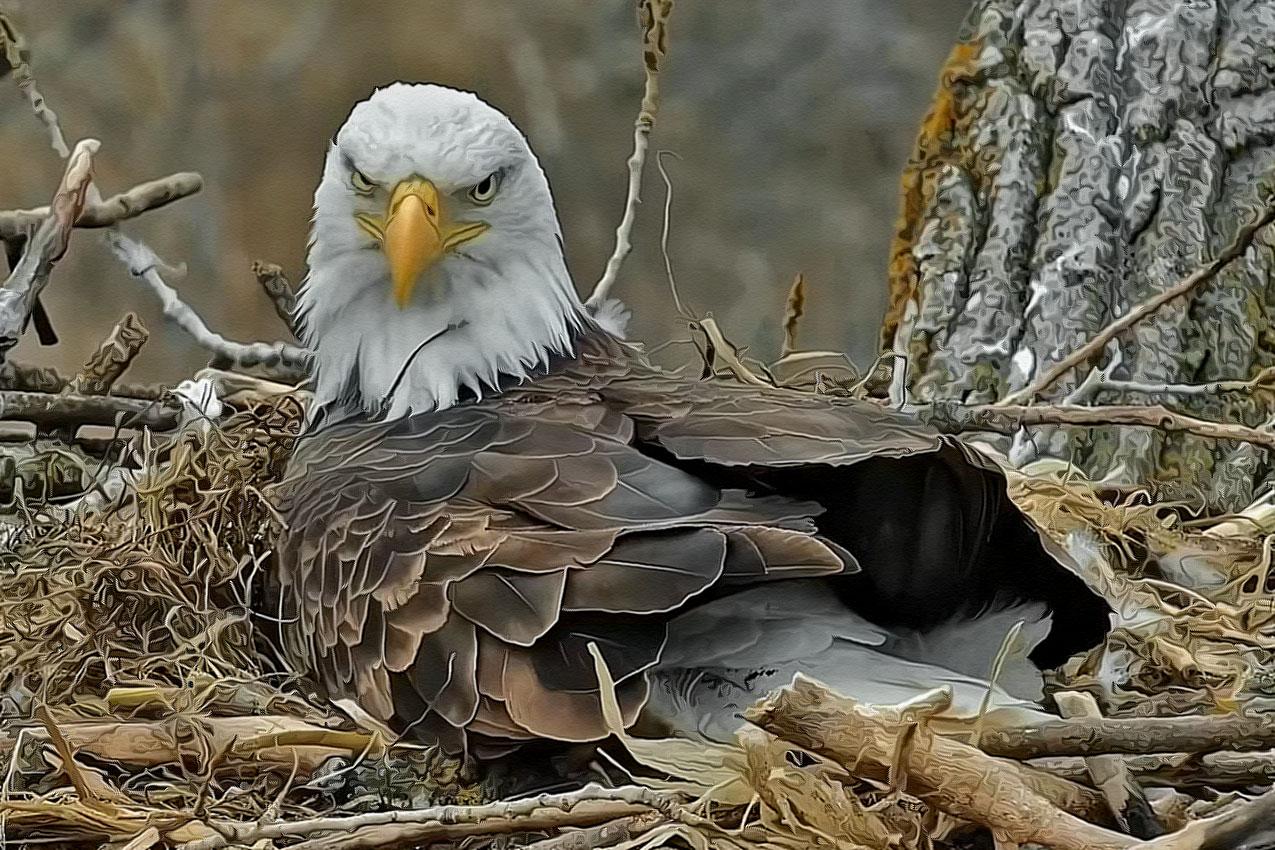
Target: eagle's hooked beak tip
[413,240]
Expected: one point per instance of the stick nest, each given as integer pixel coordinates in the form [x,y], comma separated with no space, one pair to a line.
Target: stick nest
[155,588]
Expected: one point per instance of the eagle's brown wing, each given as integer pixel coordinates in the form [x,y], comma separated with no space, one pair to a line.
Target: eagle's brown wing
[450,570]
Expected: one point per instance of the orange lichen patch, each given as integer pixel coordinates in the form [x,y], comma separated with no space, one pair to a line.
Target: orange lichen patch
[933,148]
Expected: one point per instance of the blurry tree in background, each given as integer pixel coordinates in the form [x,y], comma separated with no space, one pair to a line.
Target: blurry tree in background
[1083,156]
[792,120]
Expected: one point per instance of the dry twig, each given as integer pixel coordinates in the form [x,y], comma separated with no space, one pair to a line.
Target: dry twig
[654,16]
[141,198]
[67,756]
[605,835]
[1001,418]
[285,362]
[14,63]
[588,806]
[1091,349]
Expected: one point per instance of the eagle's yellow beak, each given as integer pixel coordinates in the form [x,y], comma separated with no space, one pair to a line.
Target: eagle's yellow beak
[415,233]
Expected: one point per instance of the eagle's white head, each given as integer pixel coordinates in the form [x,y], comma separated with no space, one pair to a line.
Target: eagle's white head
[435,260]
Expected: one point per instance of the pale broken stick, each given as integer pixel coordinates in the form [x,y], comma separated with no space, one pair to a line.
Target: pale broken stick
[31,273]
[1248,825]
[963,781]
[878,742]
[283,361]
[142,198]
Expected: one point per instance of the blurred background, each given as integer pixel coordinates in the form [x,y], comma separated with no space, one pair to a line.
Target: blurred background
[792,120]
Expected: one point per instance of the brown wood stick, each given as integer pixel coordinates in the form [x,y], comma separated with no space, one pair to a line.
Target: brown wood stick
[421,834]
[1131,735]
[588,806]
[151,743]
[142,198]
[952,776]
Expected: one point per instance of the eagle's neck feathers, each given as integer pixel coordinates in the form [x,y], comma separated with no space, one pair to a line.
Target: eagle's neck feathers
[477,324]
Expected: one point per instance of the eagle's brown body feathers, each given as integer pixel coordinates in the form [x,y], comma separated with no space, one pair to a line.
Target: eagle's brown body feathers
[449,570]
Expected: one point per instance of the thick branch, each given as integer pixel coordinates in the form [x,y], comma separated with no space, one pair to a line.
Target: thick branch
[999,418]
[413,834]
[141,198]
[24,284]
[1093,348]
[1084,736]
[49,410]
[1180,770]
[654,18]
[286,362]
[953,777]
[111,358]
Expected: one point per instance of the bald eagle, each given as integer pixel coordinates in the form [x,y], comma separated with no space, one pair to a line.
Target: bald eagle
[492,480]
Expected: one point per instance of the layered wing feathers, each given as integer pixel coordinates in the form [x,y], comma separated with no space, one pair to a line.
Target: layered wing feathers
[450,570]
[457,566]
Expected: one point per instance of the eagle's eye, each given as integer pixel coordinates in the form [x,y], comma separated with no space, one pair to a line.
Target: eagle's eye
[483,191]
[361,184]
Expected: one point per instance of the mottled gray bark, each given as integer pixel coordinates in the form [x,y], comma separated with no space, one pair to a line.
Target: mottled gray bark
[1081,156]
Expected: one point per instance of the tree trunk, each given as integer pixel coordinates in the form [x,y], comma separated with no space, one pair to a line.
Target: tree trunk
[1081,156]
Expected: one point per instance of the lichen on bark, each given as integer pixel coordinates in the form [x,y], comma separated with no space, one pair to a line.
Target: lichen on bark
[1081,156]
